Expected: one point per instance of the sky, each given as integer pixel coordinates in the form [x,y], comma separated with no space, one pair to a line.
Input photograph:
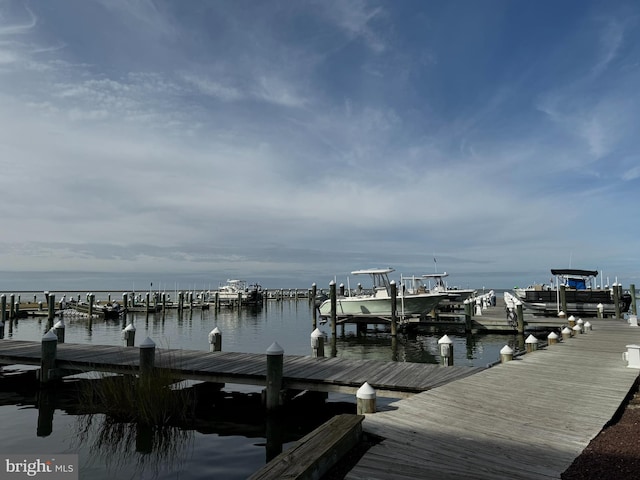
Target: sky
[292,142]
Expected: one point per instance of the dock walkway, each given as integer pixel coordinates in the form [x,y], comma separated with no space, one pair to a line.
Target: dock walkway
[525,419]
[391,379]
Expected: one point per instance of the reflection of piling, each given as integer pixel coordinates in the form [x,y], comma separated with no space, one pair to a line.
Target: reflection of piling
[144,438]
[274,436]
[46,409]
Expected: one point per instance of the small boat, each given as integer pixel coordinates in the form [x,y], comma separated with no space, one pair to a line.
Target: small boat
[228,294]
[435,284]
[109,310]
[582,295]
[378,302]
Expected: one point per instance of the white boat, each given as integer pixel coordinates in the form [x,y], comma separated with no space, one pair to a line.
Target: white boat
[436,284]
[582,295]
[378,302]
[229,293]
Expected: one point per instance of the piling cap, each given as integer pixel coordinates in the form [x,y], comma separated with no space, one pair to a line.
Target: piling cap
[215,331]
[553,336]
[580,321]
[332,282]
[50,336]
[275,349]
[130,328]
[147,343]
[59,324]
[562,314]
[600,306]
[366,392]
[445,340]
[506,350]
[566,330]
[531,339]
[572,318]
[317,333]
[577,328]
[587,324]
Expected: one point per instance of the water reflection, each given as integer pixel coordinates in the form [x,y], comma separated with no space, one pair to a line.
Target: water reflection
[145,449]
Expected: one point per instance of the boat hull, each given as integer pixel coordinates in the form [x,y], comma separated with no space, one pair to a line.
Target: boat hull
[368,306]
[578,302]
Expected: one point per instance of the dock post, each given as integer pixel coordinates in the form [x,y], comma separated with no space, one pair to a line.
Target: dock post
[59,330]
[600,308]
[467,315]
[577,330]
[446,351]
[531,343]
[317,343]
[394,308]
[125,300]
[520,317]
[563,298]
[572,321]
[312,301]
[51,311]
[580,323]
[587,326]
[3,307]
[275,366]
[146,302]
[506,354]
[215,340]
[616,299]
[48,356]
[147,356]
[129,335]
[334,304]
[12,306]
[365,399]
[17,309]
[552,338]
[566,333]
[91,298]
[632,291]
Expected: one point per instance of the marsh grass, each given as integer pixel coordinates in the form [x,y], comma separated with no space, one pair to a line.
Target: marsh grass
[152,399]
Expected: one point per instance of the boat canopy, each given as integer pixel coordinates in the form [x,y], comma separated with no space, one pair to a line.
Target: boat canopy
[373,271]
[435,275]
[574,272]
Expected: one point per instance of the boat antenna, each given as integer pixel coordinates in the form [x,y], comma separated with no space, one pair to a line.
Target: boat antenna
[435,264]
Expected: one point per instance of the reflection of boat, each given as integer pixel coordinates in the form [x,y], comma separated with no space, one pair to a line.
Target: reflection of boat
[229,293]
[582,296]
[378,302]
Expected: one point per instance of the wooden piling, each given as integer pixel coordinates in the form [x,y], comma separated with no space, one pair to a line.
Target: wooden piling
[563,298]
[531,344]
[129,335]
[12,311]
[49,350]
[275,367]
[215,340]
[314,309]
[3,307]
[147,356]
[520,318]
[552,338]
[394,309]
[51,312]
[365,399]
[506,354]
[317,343]
[446,351]
[616,299]
[91,298]
[632,291]
[334,303]
[59,330]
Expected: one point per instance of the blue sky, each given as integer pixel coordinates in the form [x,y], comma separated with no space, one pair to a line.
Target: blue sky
[288,142]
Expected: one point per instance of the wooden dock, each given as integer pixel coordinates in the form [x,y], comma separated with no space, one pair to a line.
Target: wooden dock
[390,379]
[525,419]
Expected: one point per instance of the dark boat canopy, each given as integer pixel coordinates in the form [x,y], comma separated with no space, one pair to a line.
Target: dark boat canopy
[573,271]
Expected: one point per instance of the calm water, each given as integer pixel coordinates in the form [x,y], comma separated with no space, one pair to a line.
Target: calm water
[233,450]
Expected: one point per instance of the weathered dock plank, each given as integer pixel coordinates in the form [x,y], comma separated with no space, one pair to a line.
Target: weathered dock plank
[525,419]
[393,379]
